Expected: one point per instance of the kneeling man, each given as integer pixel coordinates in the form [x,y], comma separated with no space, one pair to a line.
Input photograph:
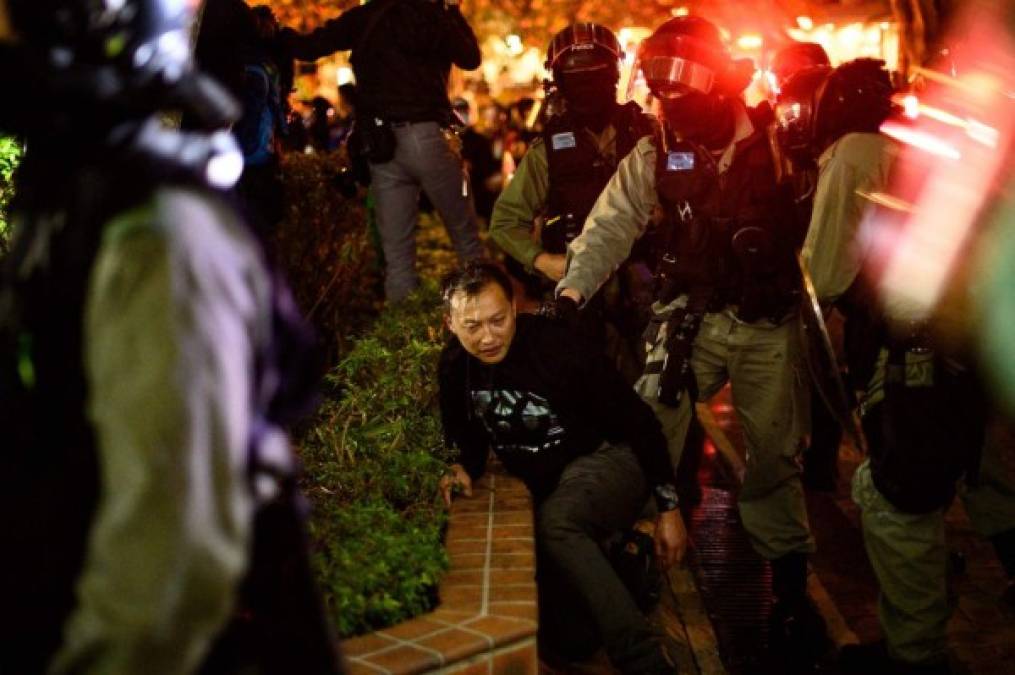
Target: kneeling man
[562,419]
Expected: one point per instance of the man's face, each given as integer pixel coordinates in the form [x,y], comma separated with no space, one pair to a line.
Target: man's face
[484,323]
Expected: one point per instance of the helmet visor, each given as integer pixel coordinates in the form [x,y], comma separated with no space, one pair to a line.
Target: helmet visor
[666,74]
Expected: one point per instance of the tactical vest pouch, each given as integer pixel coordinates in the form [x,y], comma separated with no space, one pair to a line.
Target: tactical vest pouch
[560,231]
[761,293]
[924,438]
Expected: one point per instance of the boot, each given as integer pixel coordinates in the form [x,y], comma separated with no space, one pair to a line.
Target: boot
[872,658]
[796,624]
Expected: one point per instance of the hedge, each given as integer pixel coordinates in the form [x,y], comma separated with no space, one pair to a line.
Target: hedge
[373,460]
[10,154]
[373,454]
[323,247]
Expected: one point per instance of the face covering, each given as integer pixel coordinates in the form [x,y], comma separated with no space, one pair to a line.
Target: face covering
[590,97]
[703,118]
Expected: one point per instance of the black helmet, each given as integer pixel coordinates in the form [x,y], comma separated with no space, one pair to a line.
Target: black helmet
[584,47]
[133,56]
[796,56]
[818,105]
[685,53]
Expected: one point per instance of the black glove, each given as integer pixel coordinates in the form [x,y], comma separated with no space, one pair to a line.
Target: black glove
[566,310]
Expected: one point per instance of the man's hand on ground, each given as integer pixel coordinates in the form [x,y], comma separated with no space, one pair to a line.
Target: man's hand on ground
[550,265]
[457,477]
[670,538]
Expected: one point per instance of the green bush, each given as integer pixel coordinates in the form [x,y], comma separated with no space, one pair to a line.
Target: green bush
[10,154]
[373,460]
[323,247]
[373,454]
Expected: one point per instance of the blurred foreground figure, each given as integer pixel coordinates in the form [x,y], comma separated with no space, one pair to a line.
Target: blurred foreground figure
[150,521]
[923,415]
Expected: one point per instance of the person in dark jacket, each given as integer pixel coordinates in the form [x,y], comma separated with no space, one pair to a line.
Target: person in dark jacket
[150,364]
[402,53]
[562,419]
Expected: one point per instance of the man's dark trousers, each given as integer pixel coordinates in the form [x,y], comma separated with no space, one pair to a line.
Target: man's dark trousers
[583,603]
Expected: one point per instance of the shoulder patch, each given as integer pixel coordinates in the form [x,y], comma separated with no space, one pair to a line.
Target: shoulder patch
[563,141]
[679,161]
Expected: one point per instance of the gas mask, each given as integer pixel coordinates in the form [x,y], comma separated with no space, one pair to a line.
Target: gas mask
[590,95]
[699,117]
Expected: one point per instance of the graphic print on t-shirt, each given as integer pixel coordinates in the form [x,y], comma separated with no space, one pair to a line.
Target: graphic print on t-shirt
[518,421]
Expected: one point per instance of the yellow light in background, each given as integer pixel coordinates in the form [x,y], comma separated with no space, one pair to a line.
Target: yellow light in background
[805,22]
[680,11]
[750,41]
[849,41]
[344,75]
[514,45]
[725,34]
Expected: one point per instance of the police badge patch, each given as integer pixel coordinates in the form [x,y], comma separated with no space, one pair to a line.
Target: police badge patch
[563,141]
[680,161]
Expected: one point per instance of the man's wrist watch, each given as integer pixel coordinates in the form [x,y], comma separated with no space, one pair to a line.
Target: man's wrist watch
[666,497]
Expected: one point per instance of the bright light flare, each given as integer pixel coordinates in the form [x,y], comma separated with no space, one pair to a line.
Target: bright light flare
[965,118]
[921,139]
[805,22]
[772,82]
[224,170]
[911,106]
[750,41]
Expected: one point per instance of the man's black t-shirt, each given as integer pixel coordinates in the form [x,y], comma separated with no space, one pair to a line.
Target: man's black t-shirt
[549,401]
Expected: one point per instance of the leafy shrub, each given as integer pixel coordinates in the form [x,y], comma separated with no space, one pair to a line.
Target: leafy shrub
[377,565]
[323,247]
[373,454]
[10,154]
[373,460]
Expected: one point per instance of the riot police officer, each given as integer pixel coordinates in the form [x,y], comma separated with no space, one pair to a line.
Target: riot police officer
[586,134]
[727,284]
[801,174]
[922,410]
[148,363]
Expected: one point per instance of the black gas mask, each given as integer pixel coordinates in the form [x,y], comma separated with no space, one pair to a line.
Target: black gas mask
[590,96]
[699,117]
